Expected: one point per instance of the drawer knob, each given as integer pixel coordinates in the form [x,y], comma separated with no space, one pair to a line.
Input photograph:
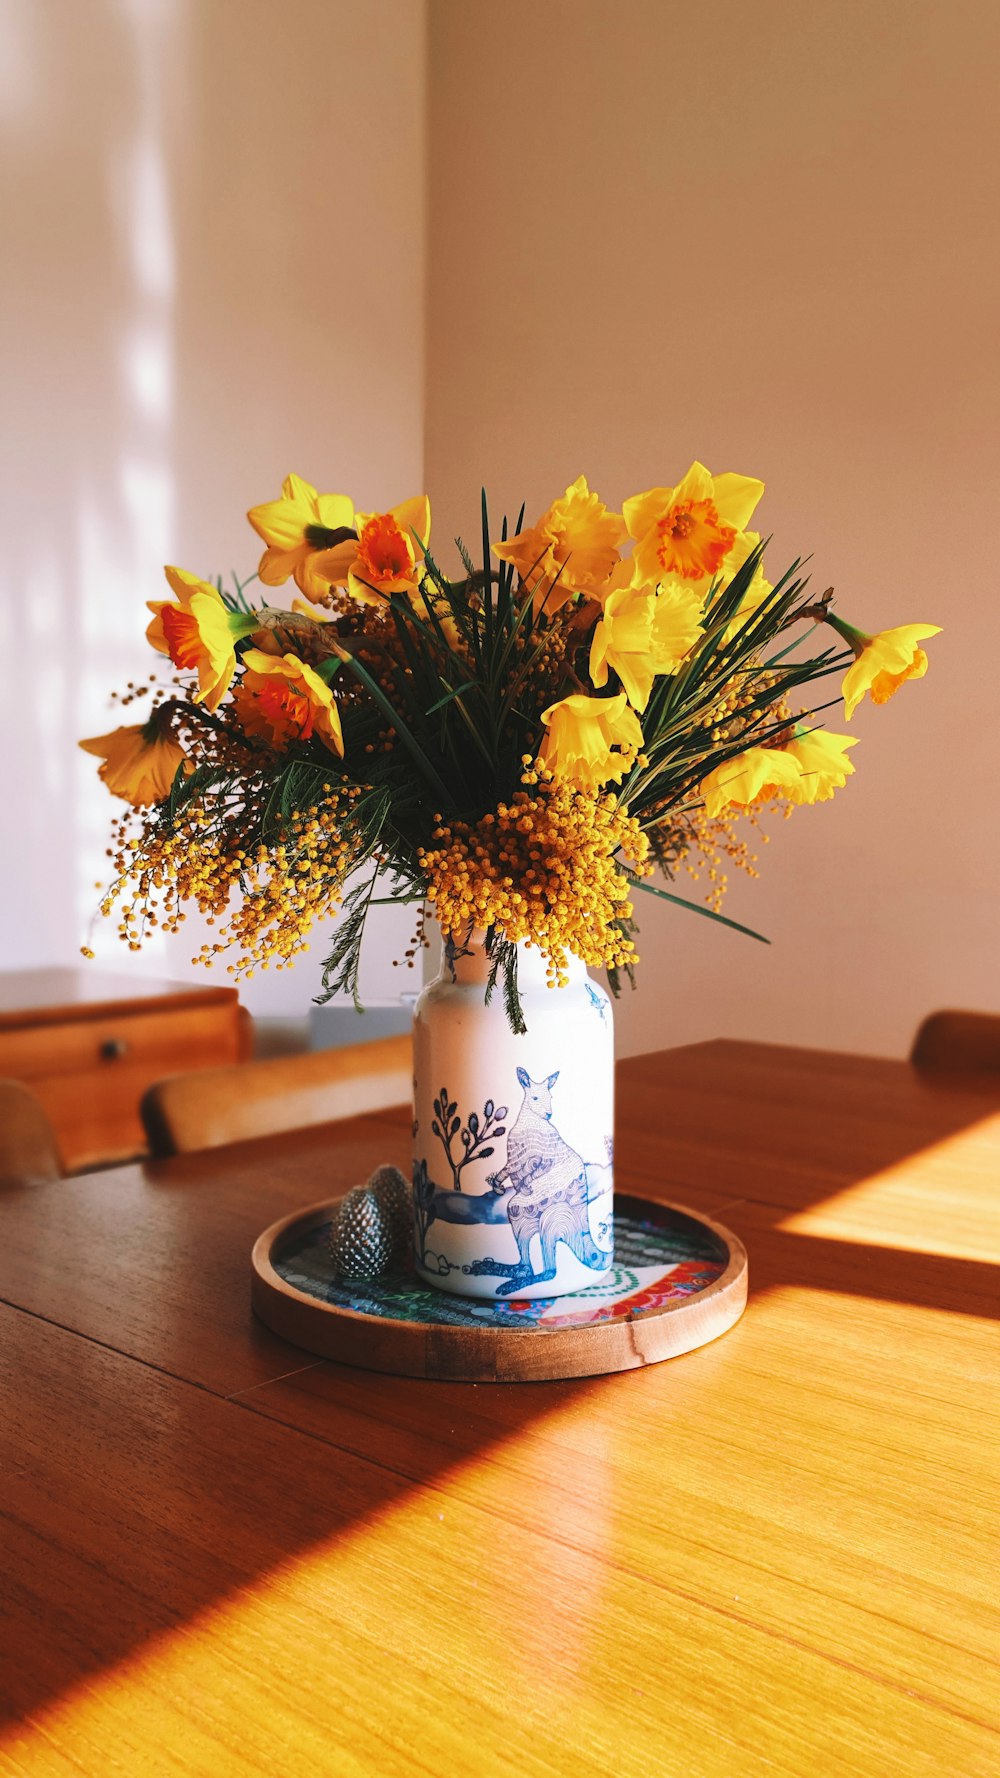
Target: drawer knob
[113,1048]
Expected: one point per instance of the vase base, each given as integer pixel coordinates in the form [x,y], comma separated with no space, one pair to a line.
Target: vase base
[678,1281]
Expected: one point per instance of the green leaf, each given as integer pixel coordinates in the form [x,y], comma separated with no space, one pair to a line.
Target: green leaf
[697,908]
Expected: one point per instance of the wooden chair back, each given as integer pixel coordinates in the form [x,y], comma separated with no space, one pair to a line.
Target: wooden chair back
[28,1151]
[216,1106]
[962,1042]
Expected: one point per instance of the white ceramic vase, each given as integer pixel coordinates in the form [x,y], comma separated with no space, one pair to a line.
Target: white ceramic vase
[513,1135]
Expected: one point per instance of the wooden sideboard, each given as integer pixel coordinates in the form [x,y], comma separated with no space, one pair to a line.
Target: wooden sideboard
[88,1044]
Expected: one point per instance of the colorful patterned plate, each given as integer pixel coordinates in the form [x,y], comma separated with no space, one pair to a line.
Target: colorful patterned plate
[679,1281]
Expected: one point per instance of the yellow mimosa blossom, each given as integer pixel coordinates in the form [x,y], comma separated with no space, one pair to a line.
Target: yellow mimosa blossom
[590,740]
[687,532]
[298,529]
[383,558]
[282,699]
[884,661]
[752,777]
[822,762]
[198,633]
[642,633]
[140,763]
[572,549]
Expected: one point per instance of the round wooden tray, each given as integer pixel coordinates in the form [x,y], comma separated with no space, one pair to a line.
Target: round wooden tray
[679,1281]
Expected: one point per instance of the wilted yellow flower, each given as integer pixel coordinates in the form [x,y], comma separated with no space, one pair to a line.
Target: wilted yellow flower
[298,529]
[384,555]
[752,777]
[822,762]
[590,740]
[283,699]
[140,763]
[198,633]
[572,549]
[687,532]
[885,661]
[642,633]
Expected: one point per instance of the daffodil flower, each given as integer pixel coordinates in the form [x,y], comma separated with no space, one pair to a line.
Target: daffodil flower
[687,532]
[299,530]
[884,661]
[822,762]
[282,699]
[642,633]
[752,777]
[385,555]
[140,762]
[571,550]
[590,740]
[198,632]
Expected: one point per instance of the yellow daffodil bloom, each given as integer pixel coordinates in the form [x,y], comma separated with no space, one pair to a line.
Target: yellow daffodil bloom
[385,555]
[822,762]
[572,549]
[752,777]
[140,763]
[298,529]
[642,633]
[198,633]
[687,532]
[282,699]
[590,740]
[884,661]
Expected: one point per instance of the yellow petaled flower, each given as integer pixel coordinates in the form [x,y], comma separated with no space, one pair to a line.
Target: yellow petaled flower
[572,549]
[591,740]
[298,529]
[140,763]
[642,633]
[885,661]
[822,763]
[687,532]
[383,558]
[198,633]
[282,699]
[753,777]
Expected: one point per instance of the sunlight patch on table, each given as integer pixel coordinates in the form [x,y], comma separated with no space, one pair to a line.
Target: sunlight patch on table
[930,1202]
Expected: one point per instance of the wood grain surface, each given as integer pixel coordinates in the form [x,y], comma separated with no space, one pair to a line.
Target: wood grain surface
[773,1555]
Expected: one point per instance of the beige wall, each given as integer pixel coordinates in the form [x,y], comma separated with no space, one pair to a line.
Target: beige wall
[764,235]
[213,239]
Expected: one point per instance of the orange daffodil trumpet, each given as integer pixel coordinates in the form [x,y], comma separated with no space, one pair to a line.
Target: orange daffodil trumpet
[385,555]
[884,661]
[199,633]
[519,746]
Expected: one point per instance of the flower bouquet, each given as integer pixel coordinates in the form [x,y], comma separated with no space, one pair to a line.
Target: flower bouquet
[593,704]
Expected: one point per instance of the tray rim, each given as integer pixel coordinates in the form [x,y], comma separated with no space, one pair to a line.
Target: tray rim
[611,1343]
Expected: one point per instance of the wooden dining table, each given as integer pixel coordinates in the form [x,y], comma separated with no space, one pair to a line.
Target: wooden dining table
[774,1555]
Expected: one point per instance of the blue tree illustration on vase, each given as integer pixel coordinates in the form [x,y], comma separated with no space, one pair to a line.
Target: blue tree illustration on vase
[476,1135]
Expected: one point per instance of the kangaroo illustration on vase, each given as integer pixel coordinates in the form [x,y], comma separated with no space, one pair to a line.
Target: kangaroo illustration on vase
[547,1183]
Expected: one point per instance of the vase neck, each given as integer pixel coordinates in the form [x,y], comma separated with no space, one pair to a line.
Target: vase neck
[466,960]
